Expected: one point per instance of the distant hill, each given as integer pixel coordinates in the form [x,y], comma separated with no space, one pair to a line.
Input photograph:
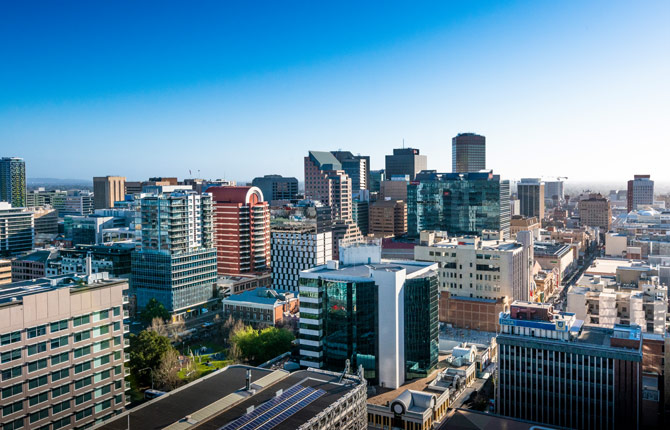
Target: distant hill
[58,183]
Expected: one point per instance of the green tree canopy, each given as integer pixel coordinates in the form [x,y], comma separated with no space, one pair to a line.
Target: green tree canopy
[259,346]
[154,309]
[147,349]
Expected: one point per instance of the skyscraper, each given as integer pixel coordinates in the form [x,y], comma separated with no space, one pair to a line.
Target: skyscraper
[357,167]
[17,230]
[107,190]
[13,181]
[405,161]
[177,262]
[241,230]
[460,204]
[640,191]
[326,182]
[595,211]
[468,153]
[531,197]
[277,187]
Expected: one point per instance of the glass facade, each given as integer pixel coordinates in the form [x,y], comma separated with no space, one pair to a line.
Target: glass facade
[460,204]
[346,316]
[421,326]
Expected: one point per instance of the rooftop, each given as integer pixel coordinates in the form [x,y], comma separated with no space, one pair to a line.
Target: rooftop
[363,270]
[218,399]
[266,296]
[550,249]
[607,266]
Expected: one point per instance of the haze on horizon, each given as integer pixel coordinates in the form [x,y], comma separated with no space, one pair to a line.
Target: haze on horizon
[569,88]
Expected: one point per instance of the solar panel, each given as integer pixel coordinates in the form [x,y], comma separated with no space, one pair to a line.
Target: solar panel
[276,410]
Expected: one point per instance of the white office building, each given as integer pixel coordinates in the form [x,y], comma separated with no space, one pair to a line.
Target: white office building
[297,248]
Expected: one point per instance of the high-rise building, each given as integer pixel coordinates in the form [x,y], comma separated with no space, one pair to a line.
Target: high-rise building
[388,218]
[62,351]
[357,167]
[297,248]
[277,187]
[177,261]
[326,182]
[107,190]
[531,197]
[17,230]
[461,204]
[595,211]
[75,203]
[13,181]
[468,153]
[46,220]
[394,188]
[640,192]
[41,197]
[241,230]
[378,314]
[554,370]
[554,190]
[376,178]
[361,213]
[479,278]
[405,161]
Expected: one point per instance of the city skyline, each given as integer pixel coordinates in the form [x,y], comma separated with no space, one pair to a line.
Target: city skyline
[568,82]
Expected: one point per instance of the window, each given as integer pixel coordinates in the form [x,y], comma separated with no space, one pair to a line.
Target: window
[12,355]
[63,422]
[11,408]
[103,405]
[83,414]
[118,399]
[59,342]
[39,398]
[37,382]
[99,331]
[103,390]
[37,365]
[117,311]
[37,348]
[82,367]
[83,398]
[80,352]
[14,372]
[60,407]
[60,374]
[84,319]
[12,391]
[101,361]
[117,326]
[100,315]
[101,376]
[58,326]
[117,370]
[37,331]
[82,335]
[39,415]
[60,358]
[59,391]
[10,338]
[82,383]
[14,425]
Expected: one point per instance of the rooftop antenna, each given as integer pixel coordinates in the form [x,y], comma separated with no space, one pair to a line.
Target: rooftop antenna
[403,143]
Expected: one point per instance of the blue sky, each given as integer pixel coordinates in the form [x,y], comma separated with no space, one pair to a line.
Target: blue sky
[570,88]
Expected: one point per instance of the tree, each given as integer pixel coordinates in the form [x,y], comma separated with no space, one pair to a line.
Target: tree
[146,351]
[154,309]
[166,376]
[259,346]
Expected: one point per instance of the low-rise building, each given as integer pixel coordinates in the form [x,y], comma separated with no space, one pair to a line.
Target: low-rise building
[555,255]
[262,306]
[5,272]
[33,265]
[227,285]
[237,397]
[521,223]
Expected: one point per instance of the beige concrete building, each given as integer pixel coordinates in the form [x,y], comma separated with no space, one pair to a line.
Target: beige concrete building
[5,272]
[521,223]
[62,352]
[388,218]
[107,190]
[395,189]
[595,211]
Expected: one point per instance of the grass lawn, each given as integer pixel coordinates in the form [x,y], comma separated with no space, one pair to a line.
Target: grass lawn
[198,370]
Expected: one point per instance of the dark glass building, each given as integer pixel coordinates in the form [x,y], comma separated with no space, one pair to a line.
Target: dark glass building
[421,326]
[277,187]
[357,167]
[405,161]
[468,153]
[461,204]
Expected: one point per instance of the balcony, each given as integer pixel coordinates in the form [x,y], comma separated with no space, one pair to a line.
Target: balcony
[127,383]
[126,357]
[126,300]
[126,372]
[126,328]
[126,342]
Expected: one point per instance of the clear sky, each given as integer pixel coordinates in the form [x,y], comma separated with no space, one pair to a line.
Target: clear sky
[241,89]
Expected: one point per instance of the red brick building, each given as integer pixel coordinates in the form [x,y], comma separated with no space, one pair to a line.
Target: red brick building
[241,230]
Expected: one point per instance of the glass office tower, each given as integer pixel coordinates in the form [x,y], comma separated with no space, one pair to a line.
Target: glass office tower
[421,326]
[461,204]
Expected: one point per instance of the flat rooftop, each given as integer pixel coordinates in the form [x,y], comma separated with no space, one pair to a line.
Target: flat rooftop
[607,266]
[386,395]
[550,249]
[468,419]
[363,270]
[14,292]
[219,399]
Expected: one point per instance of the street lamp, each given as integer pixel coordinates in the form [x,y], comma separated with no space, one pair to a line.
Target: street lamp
[150,373]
